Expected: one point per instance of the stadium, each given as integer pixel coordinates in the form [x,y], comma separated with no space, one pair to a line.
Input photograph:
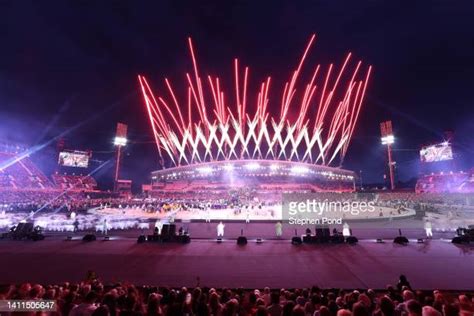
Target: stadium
[194,184]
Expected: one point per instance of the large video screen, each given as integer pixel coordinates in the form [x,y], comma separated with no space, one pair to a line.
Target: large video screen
[438,152]
[77,159]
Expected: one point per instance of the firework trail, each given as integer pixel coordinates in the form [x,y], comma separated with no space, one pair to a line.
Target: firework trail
[228,129]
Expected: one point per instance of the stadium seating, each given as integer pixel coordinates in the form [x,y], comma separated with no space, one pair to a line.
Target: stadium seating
[74,182]
[265,187]
[445,182]
[22,174]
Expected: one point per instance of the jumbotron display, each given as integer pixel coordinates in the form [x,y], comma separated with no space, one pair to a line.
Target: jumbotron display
[75,159]
[435,153]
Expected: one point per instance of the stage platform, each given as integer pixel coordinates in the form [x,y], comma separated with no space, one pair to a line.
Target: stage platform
[436,264]
[266,230]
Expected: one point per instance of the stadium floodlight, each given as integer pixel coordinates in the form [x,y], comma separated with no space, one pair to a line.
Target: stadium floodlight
[120,141]
[386,131]
[388,140]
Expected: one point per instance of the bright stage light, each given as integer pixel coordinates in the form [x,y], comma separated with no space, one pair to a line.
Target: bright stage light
[205,170]
[120,141]
[388,140]
[252,166]
[299,170]
[274,167]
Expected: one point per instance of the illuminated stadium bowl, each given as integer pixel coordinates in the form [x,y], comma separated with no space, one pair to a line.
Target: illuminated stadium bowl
[253,174]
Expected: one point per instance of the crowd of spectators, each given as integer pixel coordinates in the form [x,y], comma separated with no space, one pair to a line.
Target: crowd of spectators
[72,200]
[445,182]
[74,182]
[51,200]
[92,297]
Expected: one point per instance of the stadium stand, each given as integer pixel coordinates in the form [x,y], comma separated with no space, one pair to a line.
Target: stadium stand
[22,174]
[74,182]
[445,182]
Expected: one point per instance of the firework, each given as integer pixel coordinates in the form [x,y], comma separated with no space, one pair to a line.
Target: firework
[226,128]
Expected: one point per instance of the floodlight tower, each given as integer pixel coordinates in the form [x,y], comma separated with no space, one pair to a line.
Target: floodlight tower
[119,142]
[388,139]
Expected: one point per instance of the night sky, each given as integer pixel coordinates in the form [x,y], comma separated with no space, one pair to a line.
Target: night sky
[74,64]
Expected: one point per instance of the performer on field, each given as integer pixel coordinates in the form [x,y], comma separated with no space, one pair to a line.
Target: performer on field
[247,216]
[76,225]
[220,229]
[278,229]
[428,229]
[159,226]
[105,227]
[346,230]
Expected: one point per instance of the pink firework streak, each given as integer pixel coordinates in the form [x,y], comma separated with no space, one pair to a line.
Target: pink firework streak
[226,131]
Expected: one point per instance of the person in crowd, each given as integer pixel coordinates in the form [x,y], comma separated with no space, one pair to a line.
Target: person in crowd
[344,312]
[274,309]
[102,310]
[386,307]
[87,307]
[414,308]
[430,311]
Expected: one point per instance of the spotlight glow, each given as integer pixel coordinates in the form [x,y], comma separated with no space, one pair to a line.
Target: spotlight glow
[252,166]
[274,167]
[120,141]
[299,170]
[388,140]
